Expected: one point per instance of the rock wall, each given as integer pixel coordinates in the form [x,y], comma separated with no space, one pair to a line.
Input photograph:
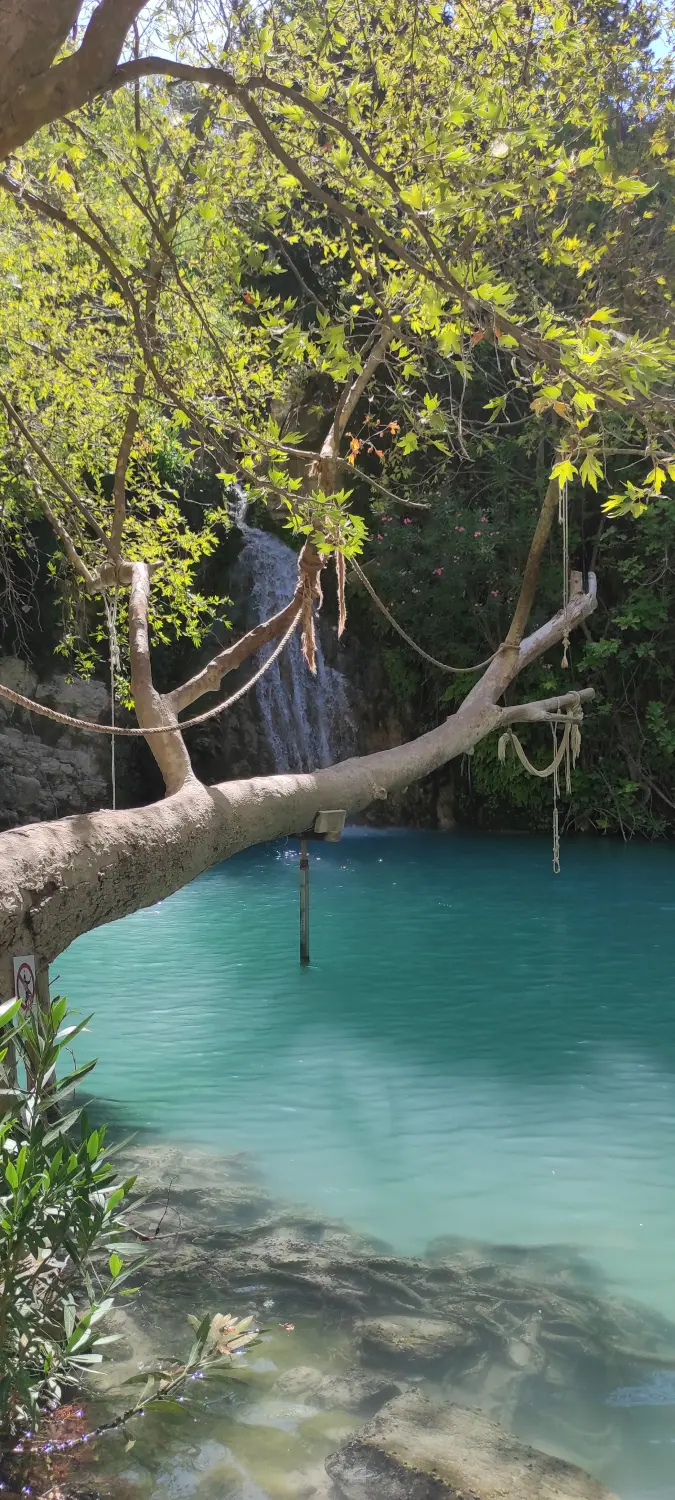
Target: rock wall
[47,771]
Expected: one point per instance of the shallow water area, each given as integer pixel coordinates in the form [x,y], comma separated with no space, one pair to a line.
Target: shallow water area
[479,1050]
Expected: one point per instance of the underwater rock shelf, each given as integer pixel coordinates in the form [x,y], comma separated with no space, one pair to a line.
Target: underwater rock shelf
[417,1450]
[466,1363]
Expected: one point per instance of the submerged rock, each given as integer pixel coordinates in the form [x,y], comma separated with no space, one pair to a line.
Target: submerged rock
[354,1390]
[416,1450]
[420,1343]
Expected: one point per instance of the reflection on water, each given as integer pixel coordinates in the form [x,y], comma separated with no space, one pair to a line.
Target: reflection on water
[478,1051]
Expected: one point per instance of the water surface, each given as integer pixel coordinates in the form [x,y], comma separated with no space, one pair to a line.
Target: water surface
[478,1048]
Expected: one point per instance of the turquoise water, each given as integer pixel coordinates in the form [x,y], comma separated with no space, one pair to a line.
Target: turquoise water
[478,1048]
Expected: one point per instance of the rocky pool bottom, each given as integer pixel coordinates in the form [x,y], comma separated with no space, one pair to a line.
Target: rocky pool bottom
[475,1370]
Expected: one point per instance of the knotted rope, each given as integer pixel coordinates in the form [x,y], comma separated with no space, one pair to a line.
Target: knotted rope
[567,750]
[341,570]
[309,568]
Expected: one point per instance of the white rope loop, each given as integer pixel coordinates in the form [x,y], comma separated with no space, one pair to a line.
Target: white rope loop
[567,750]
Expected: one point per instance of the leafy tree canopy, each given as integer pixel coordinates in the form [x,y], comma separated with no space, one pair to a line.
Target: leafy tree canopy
[478,194]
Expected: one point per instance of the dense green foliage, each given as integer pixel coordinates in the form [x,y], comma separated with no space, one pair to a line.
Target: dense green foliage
[200,262]
[60,1218]
[451,580]
[67,1250]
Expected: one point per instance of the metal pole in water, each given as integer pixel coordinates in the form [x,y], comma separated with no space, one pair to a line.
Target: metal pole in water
[304,902]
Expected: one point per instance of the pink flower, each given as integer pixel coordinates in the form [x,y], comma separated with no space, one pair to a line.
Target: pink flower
[483,518]
[494,593]
[407,521]
[476,533]
[459,528]
[438,572]
[380,538]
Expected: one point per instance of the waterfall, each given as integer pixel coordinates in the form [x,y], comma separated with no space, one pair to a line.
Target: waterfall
[307,720]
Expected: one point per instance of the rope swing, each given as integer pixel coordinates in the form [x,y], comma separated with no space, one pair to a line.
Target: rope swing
[567,751]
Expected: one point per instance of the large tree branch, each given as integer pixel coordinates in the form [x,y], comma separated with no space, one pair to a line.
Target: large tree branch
[533,564]
[511,660]
[555,630]
[33,93]
[58,880]
[208,680]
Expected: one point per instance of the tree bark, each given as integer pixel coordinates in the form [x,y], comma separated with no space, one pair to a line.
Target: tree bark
[152,708]
[61,879]
[34,90]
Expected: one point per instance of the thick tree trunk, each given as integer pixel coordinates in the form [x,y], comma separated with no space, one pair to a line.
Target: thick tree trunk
[61,879]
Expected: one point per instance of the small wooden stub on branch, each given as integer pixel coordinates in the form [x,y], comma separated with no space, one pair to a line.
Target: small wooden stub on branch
[329,825]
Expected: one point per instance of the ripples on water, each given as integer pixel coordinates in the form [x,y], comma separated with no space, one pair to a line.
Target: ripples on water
[478,1049]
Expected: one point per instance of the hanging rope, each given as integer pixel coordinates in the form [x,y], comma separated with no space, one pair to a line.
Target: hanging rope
[116,729]
[564,521]
[115,667]
[556,797]
[341,570]
[566,751]
[309,569]
[443,667]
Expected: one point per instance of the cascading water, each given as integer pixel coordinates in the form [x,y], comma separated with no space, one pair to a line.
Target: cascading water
[307,720]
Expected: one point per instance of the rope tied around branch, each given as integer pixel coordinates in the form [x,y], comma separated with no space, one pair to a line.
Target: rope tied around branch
[567,750]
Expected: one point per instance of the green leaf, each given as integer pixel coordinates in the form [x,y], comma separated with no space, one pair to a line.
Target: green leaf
[413,196]
[563,471]
[115,1264]
[62,1127]
[201,1336]
[591,471]
[8,1010]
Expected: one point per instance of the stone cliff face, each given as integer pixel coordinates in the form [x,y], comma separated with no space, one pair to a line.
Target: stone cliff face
[47,771]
